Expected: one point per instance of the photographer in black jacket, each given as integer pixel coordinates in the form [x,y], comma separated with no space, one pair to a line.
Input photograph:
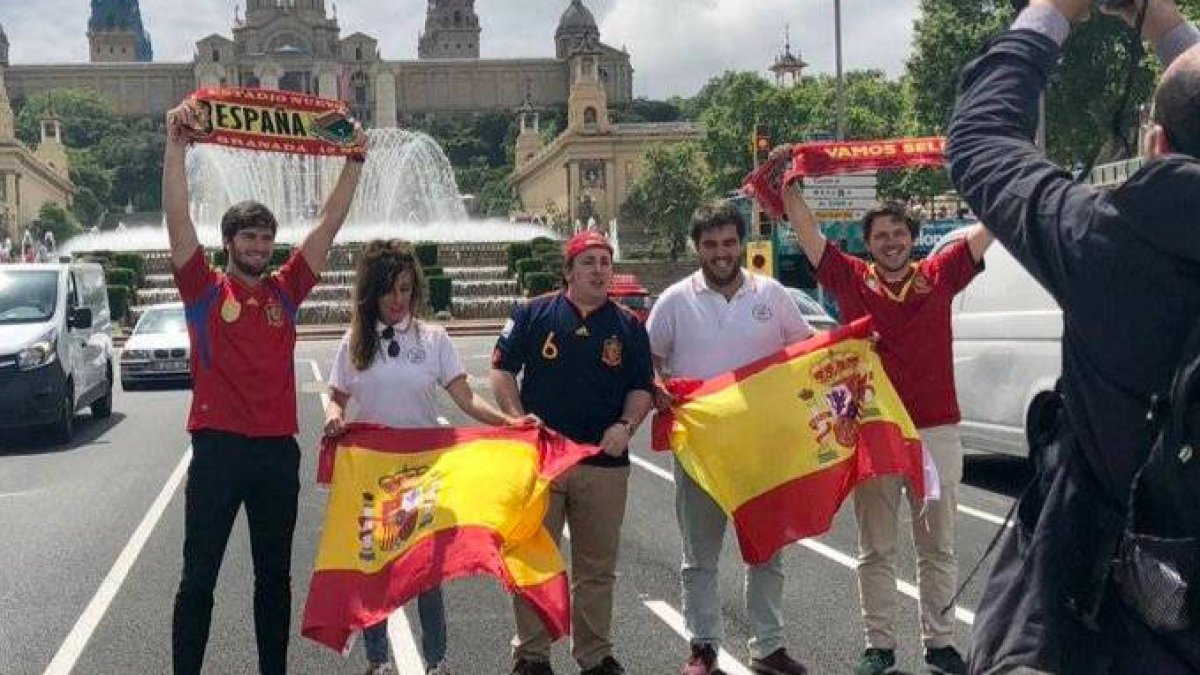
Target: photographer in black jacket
[1124,265]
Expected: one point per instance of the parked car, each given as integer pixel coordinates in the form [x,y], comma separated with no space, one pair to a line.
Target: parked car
[55,346]
[627,290]
[158,349]
[813,312]
[1007,352]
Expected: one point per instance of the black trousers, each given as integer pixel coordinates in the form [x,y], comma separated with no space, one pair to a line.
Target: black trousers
[227,471]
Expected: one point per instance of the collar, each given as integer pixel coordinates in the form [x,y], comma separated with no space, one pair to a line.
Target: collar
[400,327]
[906,284]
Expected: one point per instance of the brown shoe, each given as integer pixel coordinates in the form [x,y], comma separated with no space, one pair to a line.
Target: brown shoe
[777,663]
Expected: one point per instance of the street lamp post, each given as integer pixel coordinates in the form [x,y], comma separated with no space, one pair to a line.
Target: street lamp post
[841,80]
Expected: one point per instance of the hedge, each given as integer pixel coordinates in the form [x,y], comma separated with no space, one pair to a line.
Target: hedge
[525,266]
[280,255]
[432,271]
[518,251]
[121,276]
[132,261]
[439,292]
[542,241]
[427,253]
[118,301]
[540,283]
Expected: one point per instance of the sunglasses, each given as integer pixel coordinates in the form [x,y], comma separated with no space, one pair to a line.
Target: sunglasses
[393,348]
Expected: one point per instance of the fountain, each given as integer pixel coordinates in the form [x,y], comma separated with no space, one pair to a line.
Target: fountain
[407,191]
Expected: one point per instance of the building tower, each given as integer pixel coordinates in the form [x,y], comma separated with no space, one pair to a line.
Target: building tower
[788,65]
[576,27]
[587,101]
[451,31]
[529,140]
[115,32]
[7,126]
[3,47]
[51,149]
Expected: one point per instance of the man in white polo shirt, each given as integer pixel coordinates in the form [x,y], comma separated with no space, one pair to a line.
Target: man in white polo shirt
[718,319]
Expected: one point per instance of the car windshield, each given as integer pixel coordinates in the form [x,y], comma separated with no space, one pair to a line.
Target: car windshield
[158,321]
[27,296]
[808,306]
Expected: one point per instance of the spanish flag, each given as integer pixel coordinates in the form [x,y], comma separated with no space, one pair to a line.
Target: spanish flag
[410,509]
[780,442]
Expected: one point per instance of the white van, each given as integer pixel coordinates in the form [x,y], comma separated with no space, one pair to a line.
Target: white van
[1007,352]
[55,346]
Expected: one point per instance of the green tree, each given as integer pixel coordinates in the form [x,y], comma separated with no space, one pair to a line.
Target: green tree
[87,117]
[666,193]
[54,218]
[1083,94]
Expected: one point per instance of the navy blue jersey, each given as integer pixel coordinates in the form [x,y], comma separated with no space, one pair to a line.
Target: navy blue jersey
[577,369]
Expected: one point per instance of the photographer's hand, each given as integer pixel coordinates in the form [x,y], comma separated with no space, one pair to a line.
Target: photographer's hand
[1162,17]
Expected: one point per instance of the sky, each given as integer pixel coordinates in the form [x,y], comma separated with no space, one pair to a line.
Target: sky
[675,45]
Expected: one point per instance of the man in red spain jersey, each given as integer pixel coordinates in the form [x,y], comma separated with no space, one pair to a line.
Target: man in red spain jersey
[909,303]
[242,325]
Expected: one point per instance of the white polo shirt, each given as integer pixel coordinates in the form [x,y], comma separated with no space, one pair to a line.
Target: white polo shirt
[700,334]
[400,391]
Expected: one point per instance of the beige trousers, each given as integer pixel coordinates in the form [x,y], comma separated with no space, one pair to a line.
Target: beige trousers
[877,506]
[591,501]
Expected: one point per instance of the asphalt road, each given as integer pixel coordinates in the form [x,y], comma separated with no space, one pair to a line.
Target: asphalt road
[93,535]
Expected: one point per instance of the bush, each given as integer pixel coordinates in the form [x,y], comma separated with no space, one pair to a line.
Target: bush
[518,250]
[118,301]
[121,276]
[439,292]
[134,262]
[427,253]
[542,241]
[525,266]
[432,271]
[540,283]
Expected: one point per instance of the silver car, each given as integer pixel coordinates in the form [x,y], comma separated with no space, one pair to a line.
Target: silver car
[158,350]
[813,312]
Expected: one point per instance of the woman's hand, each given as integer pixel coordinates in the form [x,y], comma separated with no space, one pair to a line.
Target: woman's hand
[524,421]
[335,426]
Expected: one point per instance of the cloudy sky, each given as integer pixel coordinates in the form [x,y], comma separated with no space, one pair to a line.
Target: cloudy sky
[676,45]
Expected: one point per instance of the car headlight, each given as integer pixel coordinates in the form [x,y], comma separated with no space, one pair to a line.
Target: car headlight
[135,355]
[38,354]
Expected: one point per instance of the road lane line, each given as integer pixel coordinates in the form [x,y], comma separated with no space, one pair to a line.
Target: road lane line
[72,647]
[673,619]
[963,615]
[983,515]
[400,635]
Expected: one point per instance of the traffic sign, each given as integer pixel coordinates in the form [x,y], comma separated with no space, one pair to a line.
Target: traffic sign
[839,192]
[826,215]
[839,204]
[858,179]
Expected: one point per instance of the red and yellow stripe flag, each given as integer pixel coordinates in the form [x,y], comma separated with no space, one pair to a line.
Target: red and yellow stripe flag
[410,509]
[779,443]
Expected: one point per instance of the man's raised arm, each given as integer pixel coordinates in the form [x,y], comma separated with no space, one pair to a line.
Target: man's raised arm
[316,244]
[181,233]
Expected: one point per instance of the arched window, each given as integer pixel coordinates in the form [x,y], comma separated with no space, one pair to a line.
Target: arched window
[216,56]
[358,53]
[457,18]
[589,116]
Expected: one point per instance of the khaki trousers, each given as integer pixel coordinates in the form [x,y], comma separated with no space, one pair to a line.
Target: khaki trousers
[591,501]
[877,506]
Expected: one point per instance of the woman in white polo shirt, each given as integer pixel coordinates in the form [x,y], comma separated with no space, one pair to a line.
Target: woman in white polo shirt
[387,371]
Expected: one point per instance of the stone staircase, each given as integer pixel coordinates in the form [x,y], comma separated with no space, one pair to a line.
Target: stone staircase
[481,285]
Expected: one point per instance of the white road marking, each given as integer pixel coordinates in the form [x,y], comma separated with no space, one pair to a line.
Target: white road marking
[982,515]
[72,647]
[400,635]
[673,619]
[966,616]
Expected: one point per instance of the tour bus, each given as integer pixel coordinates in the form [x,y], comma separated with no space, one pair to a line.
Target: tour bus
[56,350]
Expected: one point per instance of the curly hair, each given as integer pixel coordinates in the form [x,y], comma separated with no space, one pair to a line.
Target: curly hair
[379,265]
